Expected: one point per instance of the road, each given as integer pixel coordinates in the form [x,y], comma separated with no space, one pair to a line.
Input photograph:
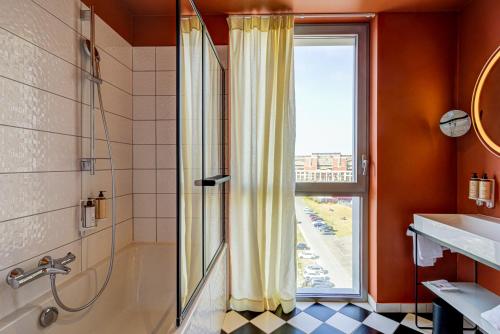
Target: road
[333,253]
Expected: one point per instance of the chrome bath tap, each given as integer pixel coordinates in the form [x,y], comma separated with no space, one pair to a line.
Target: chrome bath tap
[17,277]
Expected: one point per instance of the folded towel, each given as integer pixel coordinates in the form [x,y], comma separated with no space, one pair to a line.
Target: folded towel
[493,317]
[428,251]
[443,285]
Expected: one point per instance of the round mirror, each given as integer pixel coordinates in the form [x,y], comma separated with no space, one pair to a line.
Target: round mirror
[486,104]
[455,123]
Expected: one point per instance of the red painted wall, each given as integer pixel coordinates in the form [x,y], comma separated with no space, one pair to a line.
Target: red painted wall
[116,14]
[154,31]
[413,165]
[137,30]
[373,190]
[479,36]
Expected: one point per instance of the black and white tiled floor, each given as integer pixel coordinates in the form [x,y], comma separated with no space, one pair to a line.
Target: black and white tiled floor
[324,318]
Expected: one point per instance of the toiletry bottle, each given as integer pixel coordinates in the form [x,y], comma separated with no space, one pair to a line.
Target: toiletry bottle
[100,206]
[485,188]
[474,186]
[89,214]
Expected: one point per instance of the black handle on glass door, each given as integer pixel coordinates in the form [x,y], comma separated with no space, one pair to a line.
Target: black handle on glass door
[213,181]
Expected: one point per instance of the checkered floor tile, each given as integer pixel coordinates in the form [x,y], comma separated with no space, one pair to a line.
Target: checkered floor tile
[324,318]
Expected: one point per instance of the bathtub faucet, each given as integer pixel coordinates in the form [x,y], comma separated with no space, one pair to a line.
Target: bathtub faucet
[17,277]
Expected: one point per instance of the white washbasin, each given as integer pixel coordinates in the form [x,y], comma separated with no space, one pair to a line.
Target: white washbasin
[477,236]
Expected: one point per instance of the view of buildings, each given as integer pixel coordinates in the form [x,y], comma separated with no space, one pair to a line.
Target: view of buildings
[323,167]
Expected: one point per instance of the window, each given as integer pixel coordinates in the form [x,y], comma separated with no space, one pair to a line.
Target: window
[330,158]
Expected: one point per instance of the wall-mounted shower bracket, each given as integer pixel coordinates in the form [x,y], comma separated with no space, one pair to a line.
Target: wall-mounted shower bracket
[93,78]
[85,14]
[86,164]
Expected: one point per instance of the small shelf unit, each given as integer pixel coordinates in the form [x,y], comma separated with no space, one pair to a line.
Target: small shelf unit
[471,299]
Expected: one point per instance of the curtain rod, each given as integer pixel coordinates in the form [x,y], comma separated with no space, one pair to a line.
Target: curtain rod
[303,16]
[340,15]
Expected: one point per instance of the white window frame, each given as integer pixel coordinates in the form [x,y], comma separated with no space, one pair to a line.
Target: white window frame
[358,189]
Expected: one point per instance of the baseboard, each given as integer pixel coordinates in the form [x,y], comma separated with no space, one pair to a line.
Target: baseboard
[399,307]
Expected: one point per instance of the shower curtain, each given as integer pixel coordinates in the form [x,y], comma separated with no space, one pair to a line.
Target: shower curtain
[262,212]
[190,159]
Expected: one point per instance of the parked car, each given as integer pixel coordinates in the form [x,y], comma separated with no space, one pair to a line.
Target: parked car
[322,285]
[327,232]
[308,255]
[315,281]
[315,268]
[306,209]
[302,246]
[326,228]
[319,224]
[315,275]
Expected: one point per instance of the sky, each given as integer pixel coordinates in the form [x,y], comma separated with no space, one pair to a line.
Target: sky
[324,81]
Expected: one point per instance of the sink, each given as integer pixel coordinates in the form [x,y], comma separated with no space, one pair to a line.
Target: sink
[476,236]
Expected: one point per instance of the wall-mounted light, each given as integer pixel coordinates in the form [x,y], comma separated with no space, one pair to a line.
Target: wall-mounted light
[455,123]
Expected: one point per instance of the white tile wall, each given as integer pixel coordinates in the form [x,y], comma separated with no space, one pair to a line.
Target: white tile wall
[145,229]
[154,144]
[43,130]
[165,107]
[144,108]
[165,83]
[144,83]
[144,59]
[145,181]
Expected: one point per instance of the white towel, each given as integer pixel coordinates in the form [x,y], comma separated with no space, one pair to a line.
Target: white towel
[428,251]
[493,317]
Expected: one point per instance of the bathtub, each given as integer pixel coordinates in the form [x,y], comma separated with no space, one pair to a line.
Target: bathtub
[140,297]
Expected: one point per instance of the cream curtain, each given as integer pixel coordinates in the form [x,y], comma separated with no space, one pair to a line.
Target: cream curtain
[190,161]
[262,213]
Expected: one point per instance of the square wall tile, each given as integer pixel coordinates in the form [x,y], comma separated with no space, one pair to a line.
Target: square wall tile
[166,107]
[144,83]
[144,181]
[144,108]
[165,58]
[145,205]
[145,229]
[144,132]
[166,181]
[166,132]
[166,230]
[166,205]
[165,83]
[144,59]
[144,156]
[166,156]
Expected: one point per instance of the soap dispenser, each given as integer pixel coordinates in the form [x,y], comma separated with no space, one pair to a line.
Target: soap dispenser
[100,205]
[474,186]
[89,209]
[485,188]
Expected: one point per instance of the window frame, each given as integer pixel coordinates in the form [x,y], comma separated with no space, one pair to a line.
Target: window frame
[359,187]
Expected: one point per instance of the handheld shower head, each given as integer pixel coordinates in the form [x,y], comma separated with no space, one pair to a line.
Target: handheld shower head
[86,48]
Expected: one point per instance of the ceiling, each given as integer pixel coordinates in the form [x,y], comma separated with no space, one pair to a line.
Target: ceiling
[212,7]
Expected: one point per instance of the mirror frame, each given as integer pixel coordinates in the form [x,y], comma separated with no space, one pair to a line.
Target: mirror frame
[475,108]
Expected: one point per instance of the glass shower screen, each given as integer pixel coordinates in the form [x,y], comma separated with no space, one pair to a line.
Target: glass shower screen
[200,155]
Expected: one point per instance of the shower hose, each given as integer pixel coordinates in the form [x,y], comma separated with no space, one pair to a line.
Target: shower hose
[59,302]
